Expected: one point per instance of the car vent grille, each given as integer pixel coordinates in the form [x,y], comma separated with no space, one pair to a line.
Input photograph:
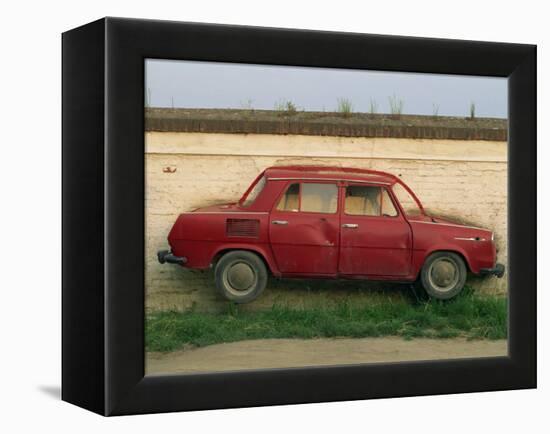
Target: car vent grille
[242,228]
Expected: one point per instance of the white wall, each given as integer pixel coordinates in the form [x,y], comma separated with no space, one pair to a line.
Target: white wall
[465,179]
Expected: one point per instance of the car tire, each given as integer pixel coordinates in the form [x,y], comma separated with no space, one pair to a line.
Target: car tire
[443,275]
[241,276]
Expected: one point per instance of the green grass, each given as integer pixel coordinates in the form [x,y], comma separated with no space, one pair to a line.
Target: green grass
[345,107]
[472,110]
[286,108]
[471,316]
[396,105]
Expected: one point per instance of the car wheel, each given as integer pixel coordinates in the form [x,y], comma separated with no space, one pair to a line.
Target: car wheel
[443,275]
[241,276]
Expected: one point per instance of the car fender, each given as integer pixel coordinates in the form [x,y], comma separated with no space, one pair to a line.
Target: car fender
[264,251]
[454,248]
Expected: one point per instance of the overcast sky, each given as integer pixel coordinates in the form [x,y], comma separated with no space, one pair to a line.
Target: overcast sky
[192,84]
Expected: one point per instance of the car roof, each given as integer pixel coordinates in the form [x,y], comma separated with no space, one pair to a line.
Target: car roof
[329,173]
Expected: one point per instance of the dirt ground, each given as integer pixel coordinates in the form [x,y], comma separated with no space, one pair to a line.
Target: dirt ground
[285,353]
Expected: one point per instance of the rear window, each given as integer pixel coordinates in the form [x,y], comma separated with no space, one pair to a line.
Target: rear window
[368,201]
[310,197]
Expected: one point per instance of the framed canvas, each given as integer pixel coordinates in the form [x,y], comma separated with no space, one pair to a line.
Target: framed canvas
[162,119]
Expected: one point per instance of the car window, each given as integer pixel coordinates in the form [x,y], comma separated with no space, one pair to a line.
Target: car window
[368,201]
[388,208]
[409,205]
[319,198]
[291,199]
[255,192]
[310,197]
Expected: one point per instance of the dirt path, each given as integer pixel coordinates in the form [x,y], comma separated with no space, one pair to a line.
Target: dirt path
[284,353]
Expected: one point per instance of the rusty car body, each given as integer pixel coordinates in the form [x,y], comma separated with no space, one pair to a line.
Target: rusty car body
[332,223]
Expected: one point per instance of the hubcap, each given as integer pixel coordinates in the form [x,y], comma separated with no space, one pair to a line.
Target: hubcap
[443,274]
[240,276]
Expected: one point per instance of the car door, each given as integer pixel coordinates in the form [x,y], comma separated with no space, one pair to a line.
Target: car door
[375,238]
[304,229]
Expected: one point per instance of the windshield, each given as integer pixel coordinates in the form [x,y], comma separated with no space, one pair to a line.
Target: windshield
[407,201]
[254,193]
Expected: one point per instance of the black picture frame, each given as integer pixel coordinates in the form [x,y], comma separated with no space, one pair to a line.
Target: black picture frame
[103,215]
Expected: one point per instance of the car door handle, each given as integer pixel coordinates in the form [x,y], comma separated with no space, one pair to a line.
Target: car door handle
[279,222]
[350,225]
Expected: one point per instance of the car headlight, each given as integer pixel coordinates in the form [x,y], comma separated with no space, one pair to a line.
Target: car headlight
[492,236]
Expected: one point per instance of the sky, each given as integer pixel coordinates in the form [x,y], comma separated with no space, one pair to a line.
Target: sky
[191,84]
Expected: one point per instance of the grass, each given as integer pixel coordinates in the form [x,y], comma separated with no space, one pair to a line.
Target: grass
[286,108]
[247,104]
[373,107]
[345,107]
[435,110]
[396,106]
[470,316]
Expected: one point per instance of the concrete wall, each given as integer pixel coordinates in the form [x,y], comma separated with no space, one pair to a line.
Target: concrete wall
[184,170]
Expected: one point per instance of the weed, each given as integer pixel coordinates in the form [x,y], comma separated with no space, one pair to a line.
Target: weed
[148,98]
[396,106]
[247,104]
[435,110]
[345,107]
[472,110]
[373,109]
[285,108]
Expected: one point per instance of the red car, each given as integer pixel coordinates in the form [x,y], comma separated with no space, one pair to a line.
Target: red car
[330,223]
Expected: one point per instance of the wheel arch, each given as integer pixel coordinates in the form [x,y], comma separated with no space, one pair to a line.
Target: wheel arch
[262,254]
[456,251]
